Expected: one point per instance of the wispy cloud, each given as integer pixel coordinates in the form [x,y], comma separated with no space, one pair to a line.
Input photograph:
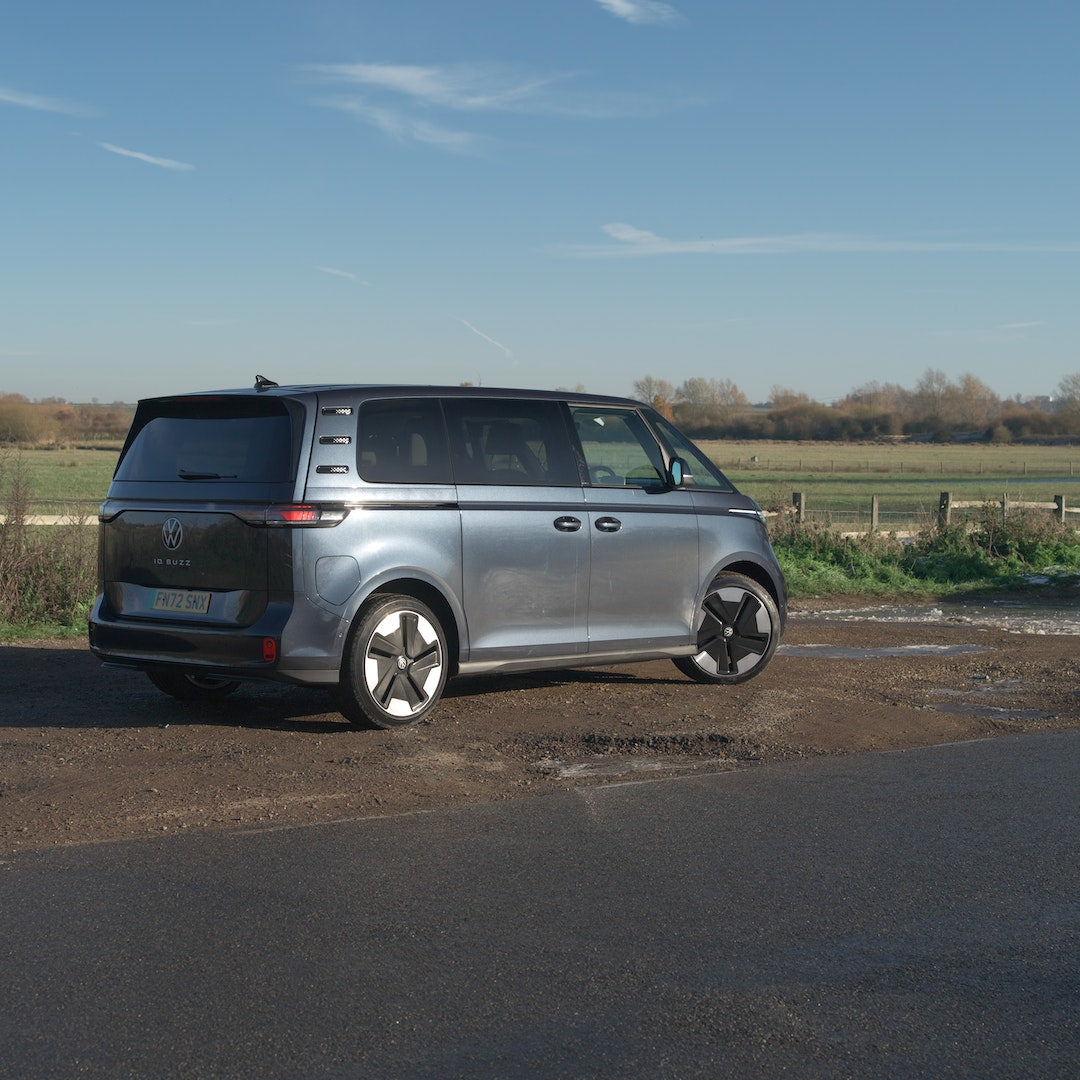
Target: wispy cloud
[347,274]
[490,340]
[160,162]
[44,104]
[388,96]
[632,242]
[641,11]
[468,87]
[405,128]
[1020,325]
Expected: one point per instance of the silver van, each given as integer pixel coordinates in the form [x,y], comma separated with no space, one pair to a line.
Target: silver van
[379,540]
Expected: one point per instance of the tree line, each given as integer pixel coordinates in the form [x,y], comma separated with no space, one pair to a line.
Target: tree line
[55,422]
[936,408]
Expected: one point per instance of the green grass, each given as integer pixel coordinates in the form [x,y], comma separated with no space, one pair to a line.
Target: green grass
[839,479]
[65,480]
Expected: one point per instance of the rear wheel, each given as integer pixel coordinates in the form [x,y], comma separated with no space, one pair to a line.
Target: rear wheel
[395,668]
[738,635]
[187,687]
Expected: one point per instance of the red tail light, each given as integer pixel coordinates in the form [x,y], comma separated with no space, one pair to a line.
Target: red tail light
[269,649]
[295,515]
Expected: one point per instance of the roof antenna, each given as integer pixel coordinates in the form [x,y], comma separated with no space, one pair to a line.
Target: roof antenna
[263,383]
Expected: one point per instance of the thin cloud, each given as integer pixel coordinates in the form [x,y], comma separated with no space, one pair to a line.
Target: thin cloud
[160,162]
[392,97]
[1020,325]
[463,87]
[641,11]
[632,242]
[490,340]
[44,104]
[405,128]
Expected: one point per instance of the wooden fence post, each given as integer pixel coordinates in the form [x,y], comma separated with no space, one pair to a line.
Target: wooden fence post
[798,500]
[874,508]
[1059,504]
[1004,505]
[944,510]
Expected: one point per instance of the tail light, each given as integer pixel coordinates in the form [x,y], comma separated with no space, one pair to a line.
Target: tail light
[295,516]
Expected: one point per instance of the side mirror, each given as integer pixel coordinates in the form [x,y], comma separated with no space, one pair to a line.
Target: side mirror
[680,473]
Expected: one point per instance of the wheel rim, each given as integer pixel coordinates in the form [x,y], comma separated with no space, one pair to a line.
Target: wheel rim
[403,663]
[735,633]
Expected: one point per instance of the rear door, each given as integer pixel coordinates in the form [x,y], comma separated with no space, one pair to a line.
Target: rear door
[181,533]
[525,544]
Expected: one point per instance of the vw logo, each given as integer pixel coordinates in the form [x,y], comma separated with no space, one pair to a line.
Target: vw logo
[172,534]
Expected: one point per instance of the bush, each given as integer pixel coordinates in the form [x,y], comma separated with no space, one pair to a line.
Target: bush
[48,573]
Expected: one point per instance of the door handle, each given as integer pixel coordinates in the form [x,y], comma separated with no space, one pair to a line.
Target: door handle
[567,524]
[608,524]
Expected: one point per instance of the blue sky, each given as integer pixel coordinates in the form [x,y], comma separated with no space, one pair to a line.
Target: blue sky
[812,195]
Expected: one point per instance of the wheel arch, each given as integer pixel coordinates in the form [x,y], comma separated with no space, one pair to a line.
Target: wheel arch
[760,574]
[427,594]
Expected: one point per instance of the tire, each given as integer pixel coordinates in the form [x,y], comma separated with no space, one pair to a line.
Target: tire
[185,687]
[739,632]
[395,665]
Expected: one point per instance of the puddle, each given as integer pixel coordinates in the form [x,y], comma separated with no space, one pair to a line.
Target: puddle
[852,652]
[992,713]
[967,701]
[624,765]
[1013,617]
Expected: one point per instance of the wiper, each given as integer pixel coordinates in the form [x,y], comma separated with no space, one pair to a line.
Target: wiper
[185,475]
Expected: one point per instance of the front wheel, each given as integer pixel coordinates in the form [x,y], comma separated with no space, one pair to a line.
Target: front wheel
[395,668]
[187,687]
[739,631]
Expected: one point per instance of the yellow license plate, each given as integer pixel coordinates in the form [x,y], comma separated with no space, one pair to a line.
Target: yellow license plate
[184,600]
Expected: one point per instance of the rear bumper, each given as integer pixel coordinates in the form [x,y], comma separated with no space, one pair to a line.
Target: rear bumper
[239,652]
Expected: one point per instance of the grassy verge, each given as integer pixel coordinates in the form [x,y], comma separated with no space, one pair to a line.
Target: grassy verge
[1021,552]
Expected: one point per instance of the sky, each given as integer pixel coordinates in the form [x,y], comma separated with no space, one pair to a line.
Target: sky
[537,193]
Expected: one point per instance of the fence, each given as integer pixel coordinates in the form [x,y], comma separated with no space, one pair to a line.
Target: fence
[800,509]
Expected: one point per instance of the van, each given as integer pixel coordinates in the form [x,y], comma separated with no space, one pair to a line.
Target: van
[379,540]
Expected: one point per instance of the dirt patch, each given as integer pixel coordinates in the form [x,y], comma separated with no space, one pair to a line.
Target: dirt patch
[89,754]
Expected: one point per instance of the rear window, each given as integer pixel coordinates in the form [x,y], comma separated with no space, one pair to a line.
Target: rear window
[241,440]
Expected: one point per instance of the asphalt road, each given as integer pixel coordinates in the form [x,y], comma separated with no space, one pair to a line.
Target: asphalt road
[904,914]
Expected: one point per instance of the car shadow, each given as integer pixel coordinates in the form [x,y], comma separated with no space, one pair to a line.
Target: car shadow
[63,685]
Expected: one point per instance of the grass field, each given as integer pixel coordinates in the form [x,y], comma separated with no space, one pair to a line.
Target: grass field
[62,480]
[839,479]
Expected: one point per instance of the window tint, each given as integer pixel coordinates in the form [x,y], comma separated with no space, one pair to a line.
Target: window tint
[402,442]
[619,449]
[231,439]
[510,442]
[704,474]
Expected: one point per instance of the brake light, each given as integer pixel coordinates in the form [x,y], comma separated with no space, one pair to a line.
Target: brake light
[269,649]
[295,516]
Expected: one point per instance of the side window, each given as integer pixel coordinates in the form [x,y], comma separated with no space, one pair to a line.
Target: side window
[619,449]
[509,442]
[402,442]
[703,473]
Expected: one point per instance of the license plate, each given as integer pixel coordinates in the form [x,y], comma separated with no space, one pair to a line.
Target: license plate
[186,600]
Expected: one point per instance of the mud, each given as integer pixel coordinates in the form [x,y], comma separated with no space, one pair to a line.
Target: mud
[89,754]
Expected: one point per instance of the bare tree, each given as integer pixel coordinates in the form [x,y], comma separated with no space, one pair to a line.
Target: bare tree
[658,393]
